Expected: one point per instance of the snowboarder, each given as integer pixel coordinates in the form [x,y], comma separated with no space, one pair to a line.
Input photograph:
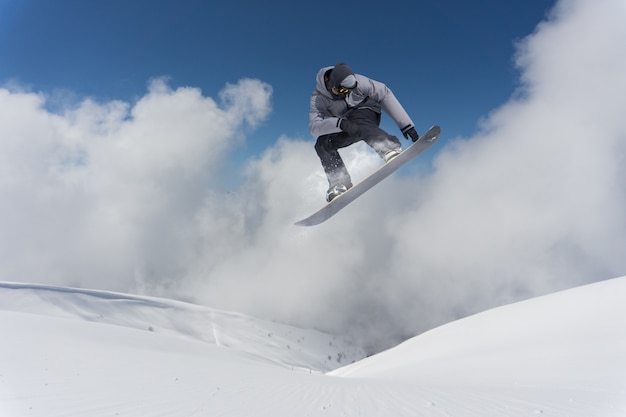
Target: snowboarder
[346,108]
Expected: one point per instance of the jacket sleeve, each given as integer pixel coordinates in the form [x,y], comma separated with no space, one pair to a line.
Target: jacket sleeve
[321,123]
[388,101]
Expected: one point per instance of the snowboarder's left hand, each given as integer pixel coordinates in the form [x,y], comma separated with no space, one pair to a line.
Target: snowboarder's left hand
[410,131]
[351,128]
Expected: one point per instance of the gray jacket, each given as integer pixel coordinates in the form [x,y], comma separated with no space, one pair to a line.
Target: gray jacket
[326,110]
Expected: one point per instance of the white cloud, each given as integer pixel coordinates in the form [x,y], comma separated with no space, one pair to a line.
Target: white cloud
[127,198]
[103,192]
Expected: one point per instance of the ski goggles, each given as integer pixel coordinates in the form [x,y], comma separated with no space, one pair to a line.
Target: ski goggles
[344,90]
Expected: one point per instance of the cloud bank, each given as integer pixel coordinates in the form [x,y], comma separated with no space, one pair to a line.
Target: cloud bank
[132,198]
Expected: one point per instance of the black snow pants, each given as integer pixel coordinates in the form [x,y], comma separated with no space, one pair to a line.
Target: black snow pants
[327,146]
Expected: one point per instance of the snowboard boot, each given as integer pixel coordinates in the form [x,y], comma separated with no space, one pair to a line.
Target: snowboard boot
[335,191]
[392,154]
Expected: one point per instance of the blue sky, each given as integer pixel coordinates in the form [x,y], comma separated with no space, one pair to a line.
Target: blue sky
[449,62]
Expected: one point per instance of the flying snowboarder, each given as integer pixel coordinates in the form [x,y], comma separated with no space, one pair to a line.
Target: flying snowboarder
[346,108]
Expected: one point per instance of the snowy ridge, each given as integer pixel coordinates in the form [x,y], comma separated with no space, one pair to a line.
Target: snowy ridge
[69,352]
[281,344]
[573,328]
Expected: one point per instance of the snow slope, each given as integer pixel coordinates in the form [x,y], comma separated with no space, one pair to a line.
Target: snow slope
[69,352]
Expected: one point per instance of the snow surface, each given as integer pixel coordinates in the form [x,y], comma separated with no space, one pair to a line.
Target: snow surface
[72,352]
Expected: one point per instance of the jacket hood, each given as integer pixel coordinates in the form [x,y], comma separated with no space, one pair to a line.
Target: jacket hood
[320,85]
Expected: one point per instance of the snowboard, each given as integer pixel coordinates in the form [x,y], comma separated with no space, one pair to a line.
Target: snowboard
[339,202]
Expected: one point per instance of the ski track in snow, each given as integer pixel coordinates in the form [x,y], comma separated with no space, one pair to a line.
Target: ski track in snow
[70,352]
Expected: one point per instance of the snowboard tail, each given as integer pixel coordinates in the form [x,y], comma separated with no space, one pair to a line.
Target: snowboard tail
[338,203]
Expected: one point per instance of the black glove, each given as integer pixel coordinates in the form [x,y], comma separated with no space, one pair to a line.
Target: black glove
[349,127]
[410,131]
